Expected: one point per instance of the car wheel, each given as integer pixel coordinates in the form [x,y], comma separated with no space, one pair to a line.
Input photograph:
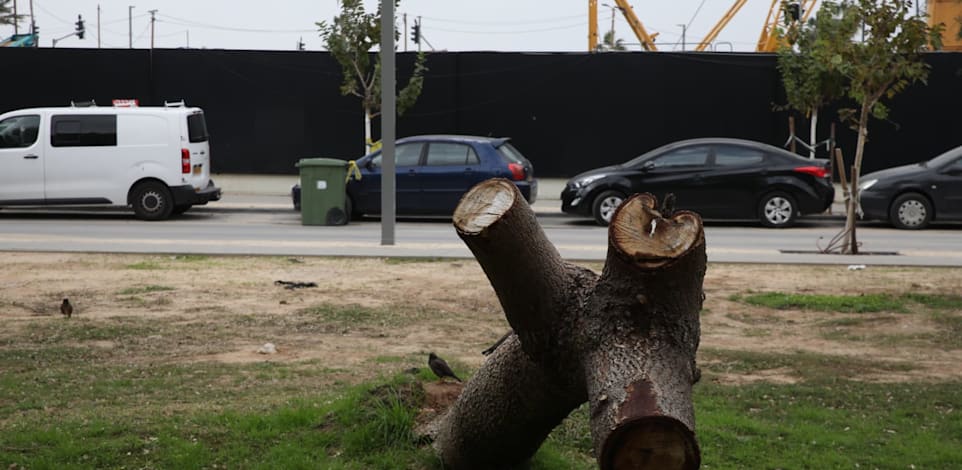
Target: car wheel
[911,211]
[604,206]
[777,210]
[152,201]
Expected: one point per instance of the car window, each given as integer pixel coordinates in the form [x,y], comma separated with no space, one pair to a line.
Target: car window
[404,155]
[446,153]
[510,153]
[197,128]
[687,156]
[19,132]
[731,155]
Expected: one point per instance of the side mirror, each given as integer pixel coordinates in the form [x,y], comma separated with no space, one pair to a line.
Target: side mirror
[647,166]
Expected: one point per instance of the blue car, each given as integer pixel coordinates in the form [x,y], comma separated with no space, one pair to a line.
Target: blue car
[434,171]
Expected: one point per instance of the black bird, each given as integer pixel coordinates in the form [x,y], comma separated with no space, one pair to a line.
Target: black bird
[441,368]
[66,309]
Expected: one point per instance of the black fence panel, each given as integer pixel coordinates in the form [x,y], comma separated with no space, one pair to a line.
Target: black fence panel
[568,112]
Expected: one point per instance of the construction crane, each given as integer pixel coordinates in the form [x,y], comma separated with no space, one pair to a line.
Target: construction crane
[647,40]
[768,42]
[799,12]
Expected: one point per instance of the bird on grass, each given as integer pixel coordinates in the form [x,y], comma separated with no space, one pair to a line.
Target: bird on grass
[441,368]
[66,309]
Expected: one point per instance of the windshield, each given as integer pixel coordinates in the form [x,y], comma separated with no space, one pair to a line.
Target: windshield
[945,158]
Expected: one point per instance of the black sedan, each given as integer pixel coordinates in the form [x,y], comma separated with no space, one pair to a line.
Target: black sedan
[912,196]
[717,178]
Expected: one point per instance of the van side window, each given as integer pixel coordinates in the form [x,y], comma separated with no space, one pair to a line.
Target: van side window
[96,130]
[19,132]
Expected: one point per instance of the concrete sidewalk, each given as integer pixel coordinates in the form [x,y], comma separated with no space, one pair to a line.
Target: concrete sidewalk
[273,192]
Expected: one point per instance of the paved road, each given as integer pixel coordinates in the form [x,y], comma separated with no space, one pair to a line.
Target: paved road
[278,231]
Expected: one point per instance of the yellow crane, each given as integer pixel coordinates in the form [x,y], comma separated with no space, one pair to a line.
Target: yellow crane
[647,40]
[767,42]
[770,40]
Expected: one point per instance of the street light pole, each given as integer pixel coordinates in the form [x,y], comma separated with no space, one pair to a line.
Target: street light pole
[683,28]
[130,26]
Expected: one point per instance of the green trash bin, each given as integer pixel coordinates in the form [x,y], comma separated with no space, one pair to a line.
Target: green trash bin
[323,194]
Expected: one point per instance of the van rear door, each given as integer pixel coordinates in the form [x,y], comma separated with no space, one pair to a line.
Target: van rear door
[195,150]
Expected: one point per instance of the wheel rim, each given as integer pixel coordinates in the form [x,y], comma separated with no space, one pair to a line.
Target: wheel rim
[608,206]
[778,210]
[912,213]
[151,201]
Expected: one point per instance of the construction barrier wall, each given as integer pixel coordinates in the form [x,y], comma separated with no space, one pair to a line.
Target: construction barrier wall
[567,112]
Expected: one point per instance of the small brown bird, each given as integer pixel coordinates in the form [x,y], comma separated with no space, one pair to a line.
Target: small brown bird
[66,309]
[441,368]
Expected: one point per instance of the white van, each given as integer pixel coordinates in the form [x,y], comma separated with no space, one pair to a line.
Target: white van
[154,159]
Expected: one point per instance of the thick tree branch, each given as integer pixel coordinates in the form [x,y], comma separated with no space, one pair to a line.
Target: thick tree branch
[531,280]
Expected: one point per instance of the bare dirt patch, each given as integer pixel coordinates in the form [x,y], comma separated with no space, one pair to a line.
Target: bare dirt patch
[222,309]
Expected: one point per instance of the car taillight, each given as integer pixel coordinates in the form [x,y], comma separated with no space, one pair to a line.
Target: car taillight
[184,161]
[816,171]
[517,171]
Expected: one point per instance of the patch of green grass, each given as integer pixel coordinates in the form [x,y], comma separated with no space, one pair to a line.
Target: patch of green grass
[936,301]
[841,425]
[827,303]
[802,365]
[145,266]
[144,289]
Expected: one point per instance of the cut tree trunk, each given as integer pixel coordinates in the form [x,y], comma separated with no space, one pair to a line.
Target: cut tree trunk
[625,341]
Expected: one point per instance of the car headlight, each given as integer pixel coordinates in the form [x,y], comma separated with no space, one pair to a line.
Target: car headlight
[586,180]
[864,185]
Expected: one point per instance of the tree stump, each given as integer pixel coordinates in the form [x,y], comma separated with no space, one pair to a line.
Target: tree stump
[625,340]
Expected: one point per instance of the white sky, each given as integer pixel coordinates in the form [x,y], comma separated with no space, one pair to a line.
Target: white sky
[453,25]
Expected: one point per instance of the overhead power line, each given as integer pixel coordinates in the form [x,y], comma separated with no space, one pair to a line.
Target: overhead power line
[197,24]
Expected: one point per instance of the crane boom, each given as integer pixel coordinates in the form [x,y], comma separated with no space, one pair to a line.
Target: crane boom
[647,40]
[720,25]
[770,39]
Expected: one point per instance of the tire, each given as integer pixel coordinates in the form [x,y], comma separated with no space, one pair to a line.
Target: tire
[777,209]
[604,206]
[911,211]
[152,201]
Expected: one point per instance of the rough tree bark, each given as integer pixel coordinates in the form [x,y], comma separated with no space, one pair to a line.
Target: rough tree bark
[624,341]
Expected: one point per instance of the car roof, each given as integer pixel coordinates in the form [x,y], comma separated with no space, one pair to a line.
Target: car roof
[723,140]
[454,138]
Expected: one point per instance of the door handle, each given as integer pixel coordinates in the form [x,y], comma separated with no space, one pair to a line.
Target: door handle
[30,157]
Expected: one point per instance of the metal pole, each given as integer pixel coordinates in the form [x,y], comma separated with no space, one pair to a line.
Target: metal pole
[33,27]
[683,28]
[152,22]
[388,116]
[612,45]
[405,31]
[16,21]
[188,38]
[130,26]
[98,26]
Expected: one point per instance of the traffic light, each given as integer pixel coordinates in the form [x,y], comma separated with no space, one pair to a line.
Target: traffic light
[416,33]
[80,27]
